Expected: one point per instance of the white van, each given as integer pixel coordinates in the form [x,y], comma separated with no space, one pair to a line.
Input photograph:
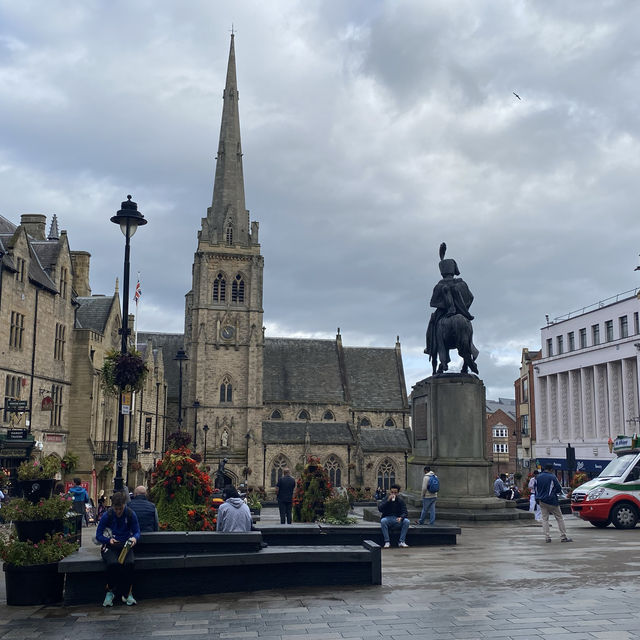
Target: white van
[614,496]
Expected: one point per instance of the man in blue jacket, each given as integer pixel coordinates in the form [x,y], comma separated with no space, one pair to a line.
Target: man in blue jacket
[547,490]
[118,528]
[80,498]
[145,510]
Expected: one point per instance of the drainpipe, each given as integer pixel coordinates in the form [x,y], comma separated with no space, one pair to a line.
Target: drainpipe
[33,356]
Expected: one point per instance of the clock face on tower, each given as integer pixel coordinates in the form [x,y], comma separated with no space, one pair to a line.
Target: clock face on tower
[227,332]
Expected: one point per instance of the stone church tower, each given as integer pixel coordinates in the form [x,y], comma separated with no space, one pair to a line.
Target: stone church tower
[223,318]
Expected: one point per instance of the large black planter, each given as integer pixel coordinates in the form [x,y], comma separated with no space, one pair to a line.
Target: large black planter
[33,584]
[36,530]
[33,490]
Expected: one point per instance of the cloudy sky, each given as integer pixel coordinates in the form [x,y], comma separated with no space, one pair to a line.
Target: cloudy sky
[372,131]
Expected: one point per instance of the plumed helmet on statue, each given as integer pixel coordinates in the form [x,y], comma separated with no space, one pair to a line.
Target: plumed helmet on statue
[447,267]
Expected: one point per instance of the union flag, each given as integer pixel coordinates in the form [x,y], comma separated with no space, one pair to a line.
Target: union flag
[138,293]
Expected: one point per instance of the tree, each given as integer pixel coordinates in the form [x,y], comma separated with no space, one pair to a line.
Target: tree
[312,489]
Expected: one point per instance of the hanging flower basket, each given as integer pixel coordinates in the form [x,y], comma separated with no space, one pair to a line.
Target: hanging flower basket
[123,371]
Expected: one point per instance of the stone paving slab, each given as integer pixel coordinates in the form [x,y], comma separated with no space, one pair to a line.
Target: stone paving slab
[499,582]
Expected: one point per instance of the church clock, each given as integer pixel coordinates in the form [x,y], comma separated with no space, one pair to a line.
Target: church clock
[227,332]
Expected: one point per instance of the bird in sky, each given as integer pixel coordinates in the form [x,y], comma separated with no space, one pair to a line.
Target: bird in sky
[516,95]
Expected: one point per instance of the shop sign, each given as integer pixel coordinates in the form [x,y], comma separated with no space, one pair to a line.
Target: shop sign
[6,452]
[17,434]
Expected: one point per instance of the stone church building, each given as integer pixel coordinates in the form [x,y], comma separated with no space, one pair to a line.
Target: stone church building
[269,402]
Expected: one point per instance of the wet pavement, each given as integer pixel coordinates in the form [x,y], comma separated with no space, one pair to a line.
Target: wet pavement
[500,581]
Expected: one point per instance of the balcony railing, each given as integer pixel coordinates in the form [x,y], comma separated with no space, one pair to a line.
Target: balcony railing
[106,449]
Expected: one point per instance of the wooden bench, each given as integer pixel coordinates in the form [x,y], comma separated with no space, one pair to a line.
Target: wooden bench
[321,534]
[190,563]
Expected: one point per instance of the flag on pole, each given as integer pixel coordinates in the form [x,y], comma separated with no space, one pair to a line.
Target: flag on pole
[138,293]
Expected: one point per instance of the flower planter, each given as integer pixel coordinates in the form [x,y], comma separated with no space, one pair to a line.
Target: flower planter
[33,584]
[33,490]
[36,530]
[255,511]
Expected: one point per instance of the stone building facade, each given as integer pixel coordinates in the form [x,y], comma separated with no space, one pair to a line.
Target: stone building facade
[502,435]
[269,402]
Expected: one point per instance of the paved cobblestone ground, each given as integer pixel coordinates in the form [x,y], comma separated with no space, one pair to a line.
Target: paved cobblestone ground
[500,581]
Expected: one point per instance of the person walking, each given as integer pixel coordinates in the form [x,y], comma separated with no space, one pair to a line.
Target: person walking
[145,510]
[80,498]
[547,490]
[233,513]
[429,496]
[534,507]
[284,491]
[394,514]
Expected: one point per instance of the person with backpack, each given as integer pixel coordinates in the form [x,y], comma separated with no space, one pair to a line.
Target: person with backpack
[547,490]
[118,531]
[79,497]
[430,488]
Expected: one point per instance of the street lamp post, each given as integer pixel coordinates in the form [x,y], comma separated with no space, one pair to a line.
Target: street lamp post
[196,406]
[181,356]
[205,429]
[129,219]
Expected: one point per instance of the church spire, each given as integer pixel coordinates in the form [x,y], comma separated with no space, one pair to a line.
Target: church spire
[227,219]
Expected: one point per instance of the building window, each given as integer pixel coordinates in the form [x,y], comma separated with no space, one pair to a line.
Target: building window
[500,448]
[595,334]
[524,425]
[20,266]
[525,389]
[583,338]
[304,415]
[608,329]
[229,235]
[571,339]
[219,288]
[237,289]
[365,422]
[624,327]
[636,323]
[328,416]
[226,390]
[560,345]
[58,347]
[16,331]
[386,475]
[332,467]
[500,432]
[56,412]
[276,415]
[12,386]
[549,347]
[64,281]
[147,433]
[389,423]
[277,469]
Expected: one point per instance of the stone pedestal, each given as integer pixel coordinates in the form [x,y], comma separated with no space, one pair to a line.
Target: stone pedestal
[449,429]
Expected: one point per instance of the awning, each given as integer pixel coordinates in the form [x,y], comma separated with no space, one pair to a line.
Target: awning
[560,464]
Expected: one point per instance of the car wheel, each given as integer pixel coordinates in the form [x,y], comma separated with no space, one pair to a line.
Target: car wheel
[601,524]
[624,516]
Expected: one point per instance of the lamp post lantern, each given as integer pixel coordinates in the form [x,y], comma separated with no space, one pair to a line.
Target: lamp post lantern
[129,219]
[205,429]
[196,406]
[181,356]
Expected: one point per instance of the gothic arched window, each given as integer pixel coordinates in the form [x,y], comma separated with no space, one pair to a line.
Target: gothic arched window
[276,415]
[332,467]
[277,469]
[328,416]
[229,235]
[365,422]
[304,415]
[389,423]
[219,288]
[386,475]
[237,289]
[226,390]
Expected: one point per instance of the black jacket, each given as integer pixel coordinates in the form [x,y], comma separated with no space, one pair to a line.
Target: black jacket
[146,512]
[396,508]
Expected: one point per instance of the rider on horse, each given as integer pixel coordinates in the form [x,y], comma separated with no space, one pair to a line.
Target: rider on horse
[451,297]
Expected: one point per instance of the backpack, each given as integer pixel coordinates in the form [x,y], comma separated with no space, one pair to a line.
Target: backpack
[433,486]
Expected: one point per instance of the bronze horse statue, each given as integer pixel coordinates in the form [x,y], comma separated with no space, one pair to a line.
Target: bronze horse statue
[450,324]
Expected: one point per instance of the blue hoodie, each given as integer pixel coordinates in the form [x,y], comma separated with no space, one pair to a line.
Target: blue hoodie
[79,494]
[547,488]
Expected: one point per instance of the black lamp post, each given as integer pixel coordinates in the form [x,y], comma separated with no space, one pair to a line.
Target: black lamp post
[196,406]
[206,430]
[181,356]
[129,219]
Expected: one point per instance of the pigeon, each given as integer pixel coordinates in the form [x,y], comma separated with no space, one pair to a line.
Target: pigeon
[516,95]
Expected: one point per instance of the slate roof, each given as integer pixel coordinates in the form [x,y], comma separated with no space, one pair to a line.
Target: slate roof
[278,432]
[93,312]
[384,440]
[169,343]
[301,371]
[375,380]
[505,404]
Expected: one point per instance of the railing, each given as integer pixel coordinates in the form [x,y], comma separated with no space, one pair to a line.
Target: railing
[596,305]
[106,449]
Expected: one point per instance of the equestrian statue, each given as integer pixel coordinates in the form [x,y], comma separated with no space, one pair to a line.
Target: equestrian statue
[450,323]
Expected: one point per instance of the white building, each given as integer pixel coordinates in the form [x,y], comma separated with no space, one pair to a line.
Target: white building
[586,383]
